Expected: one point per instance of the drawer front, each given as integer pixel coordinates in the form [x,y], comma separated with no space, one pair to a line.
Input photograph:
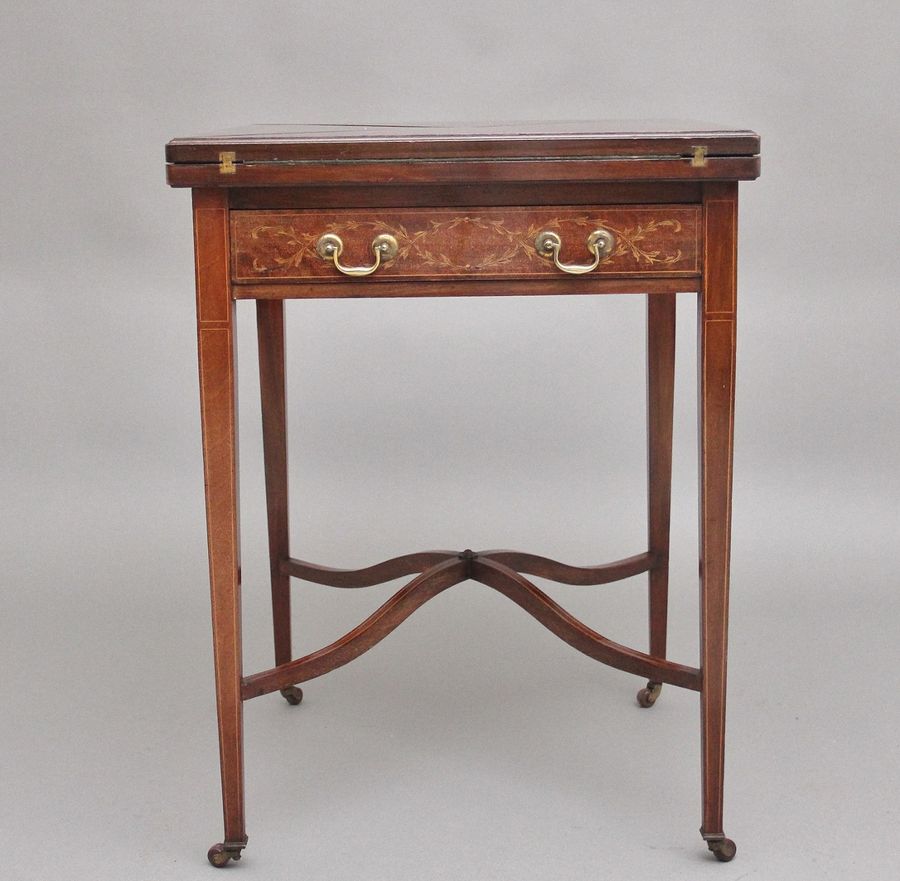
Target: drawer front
[478,243]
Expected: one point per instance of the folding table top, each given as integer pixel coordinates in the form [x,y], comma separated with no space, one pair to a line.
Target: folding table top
[568,150]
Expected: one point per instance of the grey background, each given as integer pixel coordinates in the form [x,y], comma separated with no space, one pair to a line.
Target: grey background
[471,744]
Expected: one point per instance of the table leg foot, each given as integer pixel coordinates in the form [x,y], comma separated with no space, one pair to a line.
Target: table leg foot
[220,854]
[292,694]
[722,848]
[646,697]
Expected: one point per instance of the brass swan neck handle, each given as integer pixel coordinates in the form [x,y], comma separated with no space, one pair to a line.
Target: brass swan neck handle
[330,247]
[600,243]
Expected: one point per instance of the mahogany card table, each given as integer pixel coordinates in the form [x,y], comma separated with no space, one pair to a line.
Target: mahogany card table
[636,209]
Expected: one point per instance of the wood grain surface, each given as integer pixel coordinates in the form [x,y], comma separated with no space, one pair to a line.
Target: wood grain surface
[478,243]
[465,205]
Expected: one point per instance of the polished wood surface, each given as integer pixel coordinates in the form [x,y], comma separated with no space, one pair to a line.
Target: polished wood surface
[660,403]
[717,306]
[465,203]
[477,243]
[383,172]
[279,155]
[511,193]
[218,413]
[541,140]
[489,568]
[454,287]
[271,345]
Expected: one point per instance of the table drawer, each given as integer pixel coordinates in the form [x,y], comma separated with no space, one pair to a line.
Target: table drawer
[459,243]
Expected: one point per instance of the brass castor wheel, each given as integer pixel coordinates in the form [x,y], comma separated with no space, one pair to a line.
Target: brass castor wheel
[292,694]
[646,697]
[220,854]
[724,849]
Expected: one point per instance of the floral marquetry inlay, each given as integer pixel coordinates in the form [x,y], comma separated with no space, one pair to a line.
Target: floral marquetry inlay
[490,242]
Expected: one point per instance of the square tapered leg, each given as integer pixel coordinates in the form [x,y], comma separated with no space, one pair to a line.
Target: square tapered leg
[660,400]
[271,343]
[716,351]
[218,416]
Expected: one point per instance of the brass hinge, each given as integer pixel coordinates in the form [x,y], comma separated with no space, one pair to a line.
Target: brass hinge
[698,157]
[226,162]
